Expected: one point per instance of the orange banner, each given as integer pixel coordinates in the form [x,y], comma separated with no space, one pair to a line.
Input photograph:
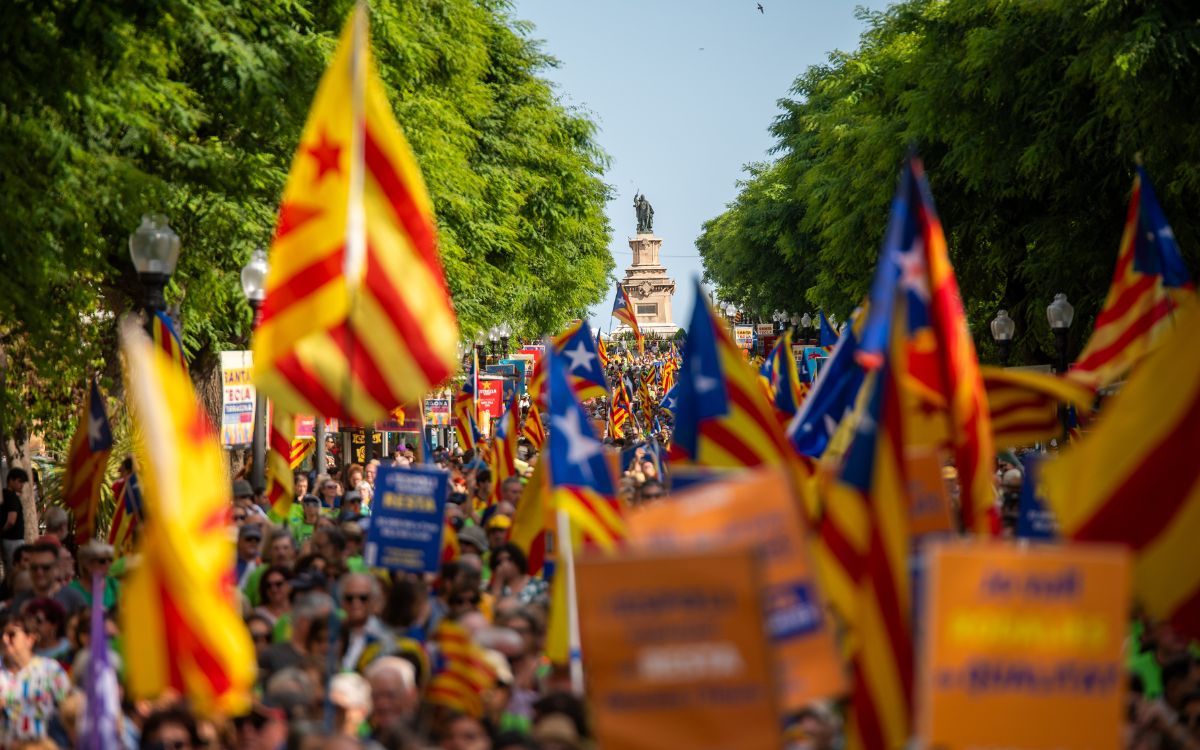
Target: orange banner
[755,508]
[1023,647]
[675,653]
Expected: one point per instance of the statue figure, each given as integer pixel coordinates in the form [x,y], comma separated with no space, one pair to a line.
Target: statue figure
[645,214]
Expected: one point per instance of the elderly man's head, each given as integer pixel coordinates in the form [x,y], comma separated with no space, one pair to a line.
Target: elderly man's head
[95,557]
[394,695]
[361,597]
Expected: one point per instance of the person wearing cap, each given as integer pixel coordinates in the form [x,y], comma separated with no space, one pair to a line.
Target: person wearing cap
[473,540]
[249,544]
[350,695]
[557,731]
[498,527]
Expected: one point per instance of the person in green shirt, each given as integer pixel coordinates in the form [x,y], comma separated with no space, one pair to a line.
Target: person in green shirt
[280,552]
[303,518]
[96,557]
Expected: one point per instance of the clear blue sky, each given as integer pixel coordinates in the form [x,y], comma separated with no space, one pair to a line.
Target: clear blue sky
[683,93]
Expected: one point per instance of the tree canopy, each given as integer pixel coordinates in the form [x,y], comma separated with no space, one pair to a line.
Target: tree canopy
[193,109]
[1028,117]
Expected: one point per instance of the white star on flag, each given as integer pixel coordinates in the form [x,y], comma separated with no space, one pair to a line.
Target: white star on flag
[912,271]
[580,357]
[95,429]
[704,384]
[580,447]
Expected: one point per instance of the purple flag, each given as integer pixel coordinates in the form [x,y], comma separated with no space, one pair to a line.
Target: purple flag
[98,724]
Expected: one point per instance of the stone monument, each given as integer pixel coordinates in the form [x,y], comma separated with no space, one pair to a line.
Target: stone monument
[650,289]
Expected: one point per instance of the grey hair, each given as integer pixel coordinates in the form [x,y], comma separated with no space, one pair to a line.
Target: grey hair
[311,605]
[400,668]
[372,581]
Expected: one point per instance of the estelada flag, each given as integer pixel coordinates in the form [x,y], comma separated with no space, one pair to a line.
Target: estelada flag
[623,311]
[86,462]
[1135,479]
[357,319]
[1150,281]
[179,605]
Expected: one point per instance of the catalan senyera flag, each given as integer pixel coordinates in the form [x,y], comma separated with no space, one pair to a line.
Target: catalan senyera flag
[87,460]
[581,481]
[503,462]
[286,453]
[623,311]
[534,522]
[601,350]
[942,371]
[450,548]
[462,674]
[1135,479]
[1024,404]
[871,496]
[179,606]
[1150,281]
[127,515]
[357,319]
[722,420]
[533,429]
[466,418]
[167,338]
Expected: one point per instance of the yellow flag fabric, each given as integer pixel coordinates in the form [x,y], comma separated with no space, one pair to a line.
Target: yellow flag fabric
[178,606]
[357,319]
[1135,479]
[533,523]
[1024,404]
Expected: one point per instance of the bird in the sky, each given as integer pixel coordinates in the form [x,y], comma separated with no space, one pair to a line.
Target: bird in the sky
[760,8]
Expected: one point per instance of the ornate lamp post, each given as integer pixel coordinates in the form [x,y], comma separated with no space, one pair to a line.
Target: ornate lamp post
[1059,314]
[494,339]
[154,249]
[794,319]
[806,322]
[254,286]
[1003,328]
[505,335]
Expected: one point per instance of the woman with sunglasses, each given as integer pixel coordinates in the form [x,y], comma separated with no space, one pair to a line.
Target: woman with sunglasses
[96,558]
[275,593]
[31,687]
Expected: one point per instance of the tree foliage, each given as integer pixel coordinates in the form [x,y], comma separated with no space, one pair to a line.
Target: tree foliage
[194,107]
[1028,117]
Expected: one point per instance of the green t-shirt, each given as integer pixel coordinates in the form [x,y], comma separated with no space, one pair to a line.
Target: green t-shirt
[1145,666]
[251,587]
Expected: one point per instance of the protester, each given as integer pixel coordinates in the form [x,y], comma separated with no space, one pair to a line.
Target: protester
[31,686]
[12,513]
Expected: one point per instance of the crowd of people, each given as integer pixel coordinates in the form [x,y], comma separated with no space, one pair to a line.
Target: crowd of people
[347,654]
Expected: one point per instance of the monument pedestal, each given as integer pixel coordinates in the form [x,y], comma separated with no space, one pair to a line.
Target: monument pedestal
[649,288]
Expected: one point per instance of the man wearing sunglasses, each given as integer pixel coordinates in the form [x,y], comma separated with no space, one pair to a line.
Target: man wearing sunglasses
[42,557]
[360,596]
[95,558]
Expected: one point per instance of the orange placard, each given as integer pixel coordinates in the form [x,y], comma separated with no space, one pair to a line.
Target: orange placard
[756,508]
[1023,646]
[929,511]
[675,653]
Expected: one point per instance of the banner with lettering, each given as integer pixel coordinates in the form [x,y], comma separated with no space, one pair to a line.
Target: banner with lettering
[756,509]
[407,519]
[237,398]
[1022,646]
[675,652]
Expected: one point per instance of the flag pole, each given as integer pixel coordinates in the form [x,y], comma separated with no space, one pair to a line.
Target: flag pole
[567,551]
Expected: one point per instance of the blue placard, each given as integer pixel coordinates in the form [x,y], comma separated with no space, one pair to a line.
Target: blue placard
[407,519]
[1034,519]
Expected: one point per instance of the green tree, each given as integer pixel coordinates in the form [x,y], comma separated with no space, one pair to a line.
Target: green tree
[1028,117]
[194,107]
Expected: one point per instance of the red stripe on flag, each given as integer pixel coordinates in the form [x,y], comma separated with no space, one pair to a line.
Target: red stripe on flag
[1028,425]
[841,549]
[312,389]
[435,368]
[865,717]
[1136,330]
[363,367]
[1186,617]
[752,407]
[1033,402]
[1128,297]
[303,283]
[732,444]
[417,225]
[1144,504]
[590,506]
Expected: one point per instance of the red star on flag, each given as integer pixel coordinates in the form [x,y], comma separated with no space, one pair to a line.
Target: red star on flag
[327,154]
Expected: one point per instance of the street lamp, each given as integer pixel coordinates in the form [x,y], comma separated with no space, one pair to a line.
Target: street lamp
[254,286]
[154,249]
[731,312]
[1003,329]
[505,334]
[777,318]
[794,319]
[494,338]
[805,323]
[1059,314]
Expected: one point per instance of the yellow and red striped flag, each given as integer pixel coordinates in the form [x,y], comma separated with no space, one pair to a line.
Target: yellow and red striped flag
[533,523]
[1135,480]
[915,290]
[462,674]
[167,339]
[87,460]
[179,604]
[722,418]
[1150,281]
[466,411]
[623,311]
[503,460]
[1024,404]
[601,350]
[533,429]
[127,515]
[285,455]
[357,319]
